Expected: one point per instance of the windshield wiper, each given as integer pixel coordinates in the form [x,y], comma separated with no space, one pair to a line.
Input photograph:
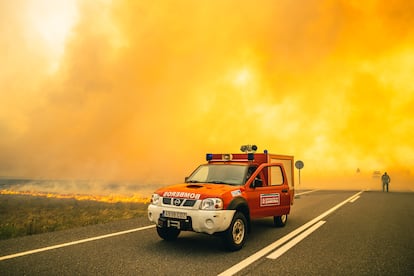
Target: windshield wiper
[217,182]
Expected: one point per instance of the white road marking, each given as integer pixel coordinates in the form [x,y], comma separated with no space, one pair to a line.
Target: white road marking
[279,252]
[252,258]
[304,193]
[354,199]
[73,243]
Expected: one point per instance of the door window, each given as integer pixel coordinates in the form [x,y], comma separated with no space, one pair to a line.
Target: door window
[276,176]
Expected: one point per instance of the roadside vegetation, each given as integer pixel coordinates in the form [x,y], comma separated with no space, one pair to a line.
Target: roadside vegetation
[22,215]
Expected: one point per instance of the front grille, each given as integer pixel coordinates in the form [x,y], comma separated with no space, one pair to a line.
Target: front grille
[189,202]
[178,202]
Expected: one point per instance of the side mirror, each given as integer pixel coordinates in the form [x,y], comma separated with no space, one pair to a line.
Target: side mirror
[257,183]
[186,179]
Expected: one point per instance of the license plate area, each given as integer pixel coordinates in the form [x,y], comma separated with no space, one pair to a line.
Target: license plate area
[182,224]
[174,214]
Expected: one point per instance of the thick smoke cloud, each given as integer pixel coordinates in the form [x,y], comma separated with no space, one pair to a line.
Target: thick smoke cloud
[144,89]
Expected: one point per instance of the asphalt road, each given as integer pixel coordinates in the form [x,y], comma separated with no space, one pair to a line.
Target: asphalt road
[326,234]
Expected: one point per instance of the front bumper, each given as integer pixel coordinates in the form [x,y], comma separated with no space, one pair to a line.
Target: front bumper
[202,221]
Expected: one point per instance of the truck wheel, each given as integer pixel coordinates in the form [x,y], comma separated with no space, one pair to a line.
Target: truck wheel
[280,221]
[235,235]
[168,233]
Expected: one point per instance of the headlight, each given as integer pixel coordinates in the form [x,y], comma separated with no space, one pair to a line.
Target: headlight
[212,204]
[155,198]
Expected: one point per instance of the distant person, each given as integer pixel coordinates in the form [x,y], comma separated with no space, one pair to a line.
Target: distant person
[385,181]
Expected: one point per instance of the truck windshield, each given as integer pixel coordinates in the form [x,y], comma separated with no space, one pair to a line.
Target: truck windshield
[219,174]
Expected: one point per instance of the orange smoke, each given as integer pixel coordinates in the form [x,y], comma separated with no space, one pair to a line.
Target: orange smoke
[142,91]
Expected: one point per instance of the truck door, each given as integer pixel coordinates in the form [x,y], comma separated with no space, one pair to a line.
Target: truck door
[272,198]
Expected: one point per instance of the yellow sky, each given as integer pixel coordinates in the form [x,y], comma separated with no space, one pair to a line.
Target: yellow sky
[142,90]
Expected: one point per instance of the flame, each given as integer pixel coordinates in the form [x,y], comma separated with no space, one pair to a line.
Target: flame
[136,198]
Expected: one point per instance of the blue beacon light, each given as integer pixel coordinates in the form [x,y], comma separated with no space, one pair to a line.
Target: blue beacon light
[250,156]
[209,156]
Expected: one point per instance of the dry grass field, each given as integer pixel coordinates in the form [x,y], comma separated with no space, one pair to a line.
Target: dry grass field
[22,215]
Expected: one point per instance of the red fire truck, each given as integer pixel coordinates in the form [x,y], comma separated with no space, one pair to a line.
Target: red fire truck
[225,194]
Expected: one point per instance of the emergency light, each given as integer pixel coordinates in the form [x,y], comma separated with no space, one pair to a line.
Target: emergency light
[250,156]
[249,149]
[227,156]
[209,156]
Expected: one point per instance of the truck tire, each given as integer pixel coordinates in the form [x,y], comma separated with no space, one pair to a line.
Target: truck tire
[235,236]
[168,233]
[280,221]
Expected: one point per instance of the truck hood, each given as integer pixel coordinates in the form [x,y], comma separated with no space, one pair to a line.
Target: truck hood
[197,190]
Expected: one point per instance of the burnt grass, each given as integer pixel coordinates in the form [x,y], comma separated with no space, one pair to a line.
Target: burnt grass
[22,215]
